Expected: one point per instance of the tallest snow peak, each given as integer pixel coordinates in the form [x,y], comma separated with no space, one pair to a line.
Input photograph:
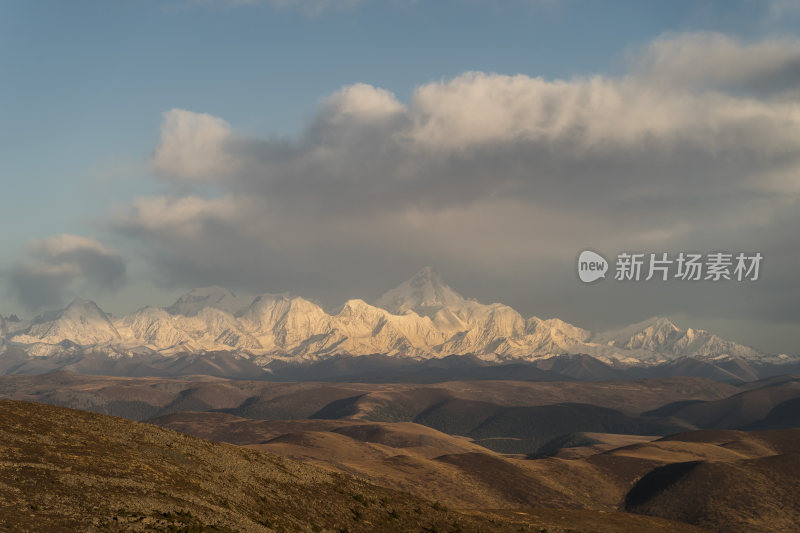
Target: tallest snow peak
[424,293]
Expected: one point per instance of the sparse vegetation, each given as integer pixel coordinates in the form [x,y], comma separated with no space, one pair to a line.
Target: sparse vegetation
[184,484]
[103,473]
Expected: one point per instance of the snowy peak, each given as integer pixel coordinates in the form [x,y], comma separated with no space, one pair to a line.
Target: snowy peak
[659,335]
[84,307]
[81,322]
[422,317]
[656,330]
[191,303]
[359,308]
[153,327]
[425,293]
[555,332]
[268,310]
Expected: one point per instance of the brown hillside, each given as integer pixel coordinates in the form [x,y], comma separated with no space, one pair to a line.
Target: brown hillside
[68,470]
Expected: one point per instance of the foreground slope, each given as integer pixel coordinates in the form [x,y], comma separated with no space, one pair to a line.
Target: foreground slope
[68,470]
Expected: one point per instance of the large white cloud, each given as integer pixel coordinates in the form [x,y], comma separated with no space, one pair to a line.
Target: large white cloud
[495,177]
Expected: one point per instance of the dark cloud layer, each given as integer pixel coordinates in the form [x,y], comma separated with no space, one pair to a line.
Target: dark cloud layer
[55,264]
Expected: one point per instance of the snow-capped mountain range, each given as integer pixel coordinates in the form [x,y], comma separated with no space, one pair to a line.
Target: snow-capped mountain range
[422,318]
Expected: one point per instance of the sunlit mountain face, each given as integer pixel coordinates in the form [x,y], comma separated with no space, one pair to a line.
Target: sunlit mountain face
[421,318]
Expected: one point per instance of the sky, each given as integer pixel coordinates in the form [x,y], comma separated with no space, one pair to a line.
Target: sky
[332,148]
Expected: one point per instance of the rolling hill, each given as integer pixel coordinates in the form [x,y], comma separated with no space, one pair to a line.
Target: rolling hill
[720,480]
[69,470]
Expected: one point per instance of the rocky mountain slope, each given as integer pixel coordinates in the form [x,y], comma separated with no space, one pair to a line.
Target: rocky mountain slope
[421,318]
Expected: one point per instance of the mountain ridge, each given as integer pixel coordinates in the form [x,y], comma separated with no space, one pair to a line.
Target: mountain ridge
[421,318]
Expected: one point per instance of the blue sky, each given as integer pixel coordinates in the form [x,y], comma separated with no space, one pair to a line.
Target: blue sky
[86,85]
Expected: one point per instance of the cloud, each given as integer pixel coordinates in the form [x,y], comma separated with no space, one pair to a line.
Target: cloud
[55,264]
[487,135]
[781,10]
[717,61]
[497,180]
[194,147]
